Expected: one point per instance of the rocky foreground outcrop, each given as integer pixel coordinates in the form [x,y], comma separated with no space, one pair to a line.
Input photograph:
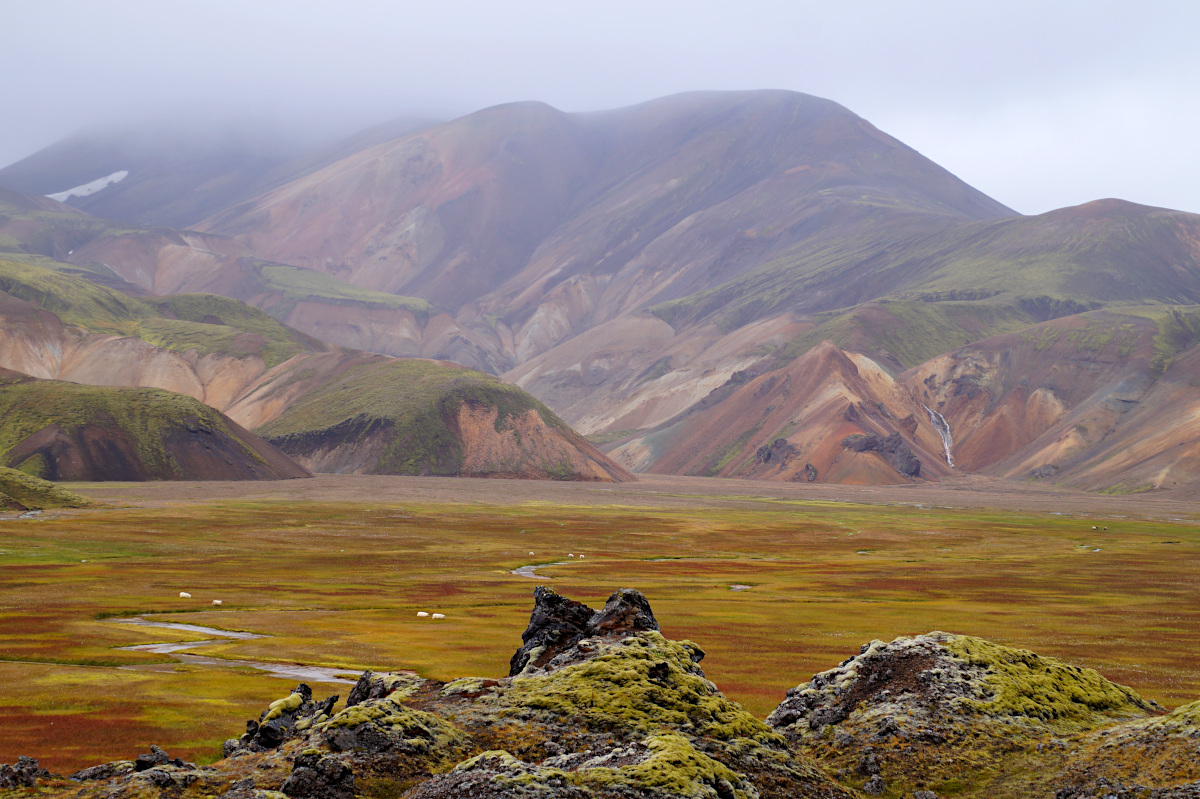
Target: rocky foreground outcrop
[600,705]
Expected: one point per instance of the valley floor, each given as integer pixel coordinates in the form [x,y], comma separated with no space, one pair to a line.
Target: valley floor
[775,582]
[661,491]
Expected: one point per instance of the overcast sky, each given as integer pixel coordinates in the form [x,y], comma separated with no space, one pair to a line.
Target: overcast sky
[1039,104]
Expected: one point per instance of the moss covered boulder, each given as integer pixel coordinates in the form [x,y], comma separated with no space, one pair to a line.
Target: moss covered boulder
[1157,757]
[949,712]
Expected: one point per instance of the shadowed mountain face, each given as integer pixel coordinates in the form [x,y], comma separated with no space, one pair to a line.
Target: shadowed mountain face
[664,277]
[67,431]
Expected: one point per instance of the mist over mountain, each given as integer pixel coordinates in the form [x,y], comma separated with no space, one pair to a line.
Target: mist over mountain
[659,274]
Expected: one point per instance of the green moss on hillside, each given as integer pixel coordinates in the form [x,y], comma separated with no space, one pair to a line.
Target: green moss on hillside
[909,332]
[1178,330]
[74,300]
[33,492]
[204,323]
[419,731]
[417,400]
[294,284]
[1021,683]
[675,768]
[146,416]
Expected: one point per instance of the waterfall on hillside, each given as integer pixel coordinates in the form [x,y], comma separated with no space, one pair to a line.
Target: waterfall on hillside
[943,428]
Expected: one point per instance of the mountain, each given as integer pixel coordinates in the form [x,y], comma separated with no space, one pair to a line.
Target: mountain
[531,225]
[427,417]
[644,271]
[66,431]
[599,704]
[825,416]
[317,402]
[175,175]
[1101,400]
[1104,400]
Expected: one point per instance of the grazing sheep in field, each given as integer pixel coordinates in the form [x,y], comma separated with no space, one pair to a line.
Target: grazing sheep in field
[217,602]
[570,555]
[184,595]
[439,615]
[422,614]
[530,553]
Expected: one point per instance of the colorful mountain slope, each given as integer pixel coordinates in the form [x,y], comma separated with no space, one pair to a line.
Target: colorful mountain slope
[386,416]
[424,417]
[622,266]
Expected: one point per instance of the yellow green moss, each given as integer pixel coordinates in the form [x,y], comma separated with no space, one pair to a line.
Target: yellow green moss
[1021,683]
[423,731]
[614,691]
[674,767]
[33,492]
[467,685]
[289,704]
[1183,720]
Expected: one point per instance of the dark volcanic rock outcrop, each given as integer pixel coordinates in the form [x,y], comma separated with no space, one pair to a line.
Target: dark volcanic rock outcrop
[282,720]
[319,777]
[25,773]
[939,707]
[892,447]
[557,623]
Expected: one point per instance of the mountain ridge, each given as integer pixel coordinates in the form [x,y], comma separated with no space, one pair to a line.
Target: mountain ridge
[624,265]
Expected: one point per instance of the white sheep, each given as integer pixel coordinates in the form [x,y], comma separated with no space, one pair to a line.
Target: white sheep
[422,614]
[217,603]
[530,553]
[581,557]
[570,555]
[184,595]
[439,615]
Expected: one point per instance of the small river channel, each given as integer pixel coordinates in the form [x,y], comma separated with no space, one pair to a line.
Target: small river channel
[291,671]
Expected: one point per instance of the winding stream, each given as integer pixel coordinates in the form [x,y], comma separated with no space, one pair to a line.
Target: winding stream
[291,671]
[531,570]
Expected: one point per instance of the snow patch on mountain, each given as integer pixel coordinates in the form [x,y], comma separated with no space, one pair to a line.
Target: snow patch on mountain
[88,189]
